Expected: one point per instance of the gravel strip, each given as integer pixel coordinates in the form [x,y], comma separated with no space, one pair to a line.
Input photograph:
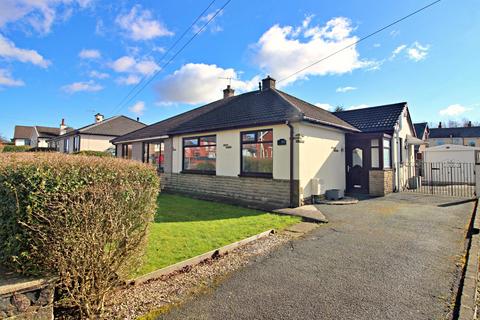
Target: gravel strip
[134,301]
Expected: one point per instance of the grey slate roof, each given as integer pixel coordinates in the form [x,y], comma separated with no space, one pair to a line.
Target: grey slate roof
[467,132]
[22,132]
[374,119]
[114,126]
[420,129]
[47,132]
[245,110]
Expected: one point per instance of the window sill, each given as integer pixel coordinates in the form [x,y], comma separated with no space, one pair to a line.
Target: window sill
[256,175]
[208,173]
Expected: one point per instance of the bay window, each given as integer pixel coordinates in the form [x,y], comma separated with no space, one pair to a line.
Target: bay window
[257,153]
[375,153]
[200,154]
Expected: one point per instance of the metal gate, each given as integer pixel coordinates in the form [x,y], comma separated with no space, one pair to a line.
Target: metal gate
[441,178]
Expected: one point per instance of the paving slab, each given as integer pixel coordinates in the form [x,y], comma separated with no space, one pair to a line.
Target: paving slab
[307,212]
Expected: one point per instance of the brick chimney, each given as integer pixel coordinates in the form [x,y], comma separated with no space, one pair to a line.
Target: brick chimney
[440,124]
[268,83]
[229,92]
[63,127]
[98,118]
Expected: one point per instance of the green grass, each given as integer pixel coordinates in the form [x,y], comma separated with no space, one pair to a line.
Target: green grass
[186,227]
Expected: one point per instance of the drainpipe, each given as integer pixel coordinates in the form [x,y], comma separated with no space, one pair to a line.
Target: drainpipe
[292,182]
[397,149]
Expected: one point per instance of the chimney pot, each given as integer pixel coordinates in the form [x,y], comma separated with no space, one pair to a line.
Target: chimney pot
[228,92]
[440,124]
[268,83]
[98,117]
[469,124]
[138,119]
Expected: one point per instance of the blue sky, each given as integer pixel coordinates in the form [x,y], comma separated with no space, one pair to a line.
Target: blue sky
[72,58]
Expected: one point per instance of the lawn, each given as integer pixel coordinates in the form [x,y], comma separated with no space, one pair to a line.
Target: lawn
[186,227]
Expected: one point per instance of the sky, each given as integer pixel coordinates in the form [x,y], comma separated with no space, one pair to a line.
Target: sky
[73,58]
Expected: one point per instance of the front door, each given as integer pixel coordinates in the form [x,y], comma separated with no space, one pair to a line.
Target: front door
[357,168]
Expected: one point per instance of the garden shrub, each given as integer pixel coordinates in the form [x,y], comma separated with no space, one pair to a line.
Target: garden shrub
[80,219]
[41,149]
[11,148]
[94,153]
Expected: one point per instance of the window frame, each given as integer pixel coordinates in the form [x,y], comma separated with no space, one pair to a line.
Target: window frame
[76,138]
[66,145]
[206,172]
[389,148]
[146,152]
[378,153]
[125,153]
[254,174]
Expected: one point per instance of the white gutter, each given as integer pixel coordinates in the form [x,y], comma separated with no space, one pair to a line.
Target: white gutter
[139,140]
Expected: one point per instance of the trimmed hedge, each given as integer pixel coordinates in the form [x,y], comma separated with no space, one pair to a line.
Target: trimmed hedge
[10,148]
[81,219]
[94,153]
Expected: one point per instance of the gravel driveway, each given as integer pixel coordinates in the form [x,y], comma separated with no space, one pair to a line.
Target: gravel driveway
[386,258]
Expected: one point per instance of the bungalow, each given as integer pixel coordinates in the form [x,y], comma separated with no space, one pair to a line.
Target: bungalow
[35,136]
[269,149]
[95,136]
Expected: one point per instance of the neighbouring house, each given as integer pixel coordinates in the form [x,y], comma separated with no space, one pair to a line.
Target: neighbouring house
[34,136]
[95,136]
[466,136]
[269,149]
[423,133]
[22,135]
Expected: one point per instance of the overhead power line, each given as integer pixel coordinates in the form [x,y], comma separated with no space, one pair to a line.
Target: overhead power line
[176,54]
[166,52]
[361,39]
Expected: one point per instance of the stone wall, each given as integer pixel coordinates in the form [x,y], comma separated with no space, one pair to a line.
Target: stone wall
[26,300]
[253,192]
[380,182]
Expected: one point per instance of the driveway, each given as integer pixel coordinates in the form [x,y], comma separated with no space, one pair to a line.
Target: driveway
[385,258]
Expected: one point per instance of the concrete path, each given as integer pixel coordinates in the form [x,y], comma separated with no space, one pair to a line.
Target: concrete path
[385,258]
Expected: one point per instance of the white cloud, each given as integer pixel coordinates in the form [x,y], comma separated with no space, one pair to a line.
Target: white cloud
[360,106]
[397,50]
[417,51]
[199,83]
[283,50]
[6,80]
[138,108]
[212,26]
[454,110]
[325,106]
[89,86]
[134,69]
[128,64]
[89,54]
[140,25]
[128,80]
[9,51]
[345,89]
[38,14]
[98,75]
